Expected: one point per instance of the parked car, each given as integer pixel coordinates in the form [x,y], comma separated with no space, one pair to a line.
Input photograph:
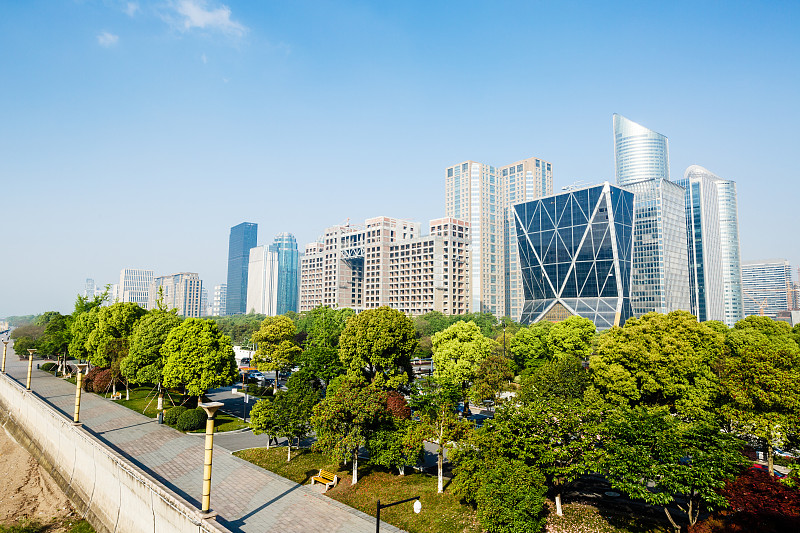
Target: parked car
[763,468]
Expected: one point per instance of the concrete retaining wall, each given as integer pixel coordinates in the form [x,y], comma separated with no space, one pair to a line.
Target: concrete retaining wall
[114,495]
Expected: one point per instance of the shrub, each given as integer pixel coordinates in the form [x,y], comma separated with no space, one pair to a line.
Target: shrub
[511,498]
[172,414]
[49,367]
[88,379]
[191,419]
[758,502]
[102,381]
[398,405]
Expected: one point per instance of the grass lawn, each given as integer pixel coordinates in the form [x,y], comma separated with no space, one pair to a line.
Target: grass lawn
[144,400]
[440,512]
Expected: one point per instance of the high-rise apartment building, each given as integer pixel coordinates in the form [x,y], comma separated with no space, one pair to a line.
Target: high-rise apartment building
[203,300]
[387,262]
[660,249]
[701,210]
[576,253]
[484,195]
[242,238]
[767,286]
[134,286]
[219,300]
[182,291]
[640,153]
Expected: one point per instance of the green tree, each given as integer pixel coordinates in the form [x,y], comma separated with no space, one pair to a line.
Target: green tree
[82,326]
[84,304]
[27,337]
[563,378]
[660,360]
[198,357]
[288,415]
[530,347]
[458,353]
[323,326]
[239,328]
[572,337]
[276,348]
[145,363]
[760,381]
[378,344]
[108,341]
[396,444]
[322,362]
[492,379]
[654,456]
[56,336]
[434,403]
[345,419]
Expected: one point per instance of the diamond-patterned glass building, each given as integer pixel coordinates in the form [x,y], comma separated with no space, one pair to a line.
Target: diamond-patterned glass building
[576,251]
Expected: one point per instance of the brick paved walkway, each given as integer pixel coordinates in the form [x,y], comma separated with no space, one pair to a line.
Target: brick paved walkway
[247,498]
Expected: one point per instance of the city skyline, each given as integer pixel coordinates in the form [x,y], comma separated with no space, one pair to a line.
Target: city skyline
[288,117]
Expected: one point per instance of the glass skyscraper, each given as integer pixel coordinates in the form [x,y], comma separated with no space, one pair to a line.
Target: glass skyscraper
[660,253]
[575,252]
[713,223]
[766,286]
[706,288]
[242,238]
[640,153]
[288,293]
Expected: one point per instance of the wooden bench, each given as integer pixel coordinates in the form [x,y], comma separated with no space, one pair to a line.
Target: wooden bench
[328,479]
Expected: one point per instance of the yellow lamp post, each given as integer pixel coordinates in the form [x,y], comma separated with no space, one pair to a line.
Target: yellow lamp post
[30,368]
[210,408]
[81,369]
[5,349]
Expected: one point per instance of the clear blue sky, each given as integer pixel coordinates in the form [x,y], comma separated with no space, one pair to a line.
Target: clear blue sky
[135,134]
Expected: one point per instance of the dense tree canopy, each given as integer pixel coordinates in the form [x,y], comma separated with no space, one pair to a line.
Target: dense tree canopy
[459,351]
[345,419]
[198,357]
[378,344]
[572,337]
[145,362]
[660,360]
[761,381]
[277,350]
[530,347]
[109,340]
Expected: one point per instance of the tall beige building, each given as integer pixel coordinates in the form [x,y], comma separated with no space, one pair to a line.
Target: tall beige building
[484,195]
[182,291]
[387,262]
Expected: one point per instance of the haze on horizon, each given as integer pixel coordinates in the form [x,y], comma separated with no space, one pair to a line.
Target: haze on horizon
[135,134]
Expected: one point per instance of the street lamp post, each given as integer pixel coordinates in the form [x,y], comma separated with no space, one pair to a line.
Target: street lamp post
[30,368]
[81,368]
[5,349]
[210,408]
[417,509]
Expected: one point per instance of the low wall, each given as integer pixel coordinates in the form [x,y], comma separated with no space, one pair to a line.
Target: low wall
[114,495]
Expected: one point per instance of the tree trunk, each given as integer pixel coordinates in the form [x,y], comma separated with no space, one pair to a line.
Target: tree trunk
[160,398]
[113,386]
[559,512]
[355,467]
[127,392]
[402,470]
[440,464]
[288,449]
[770,463]
[671,521]
[275,390]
